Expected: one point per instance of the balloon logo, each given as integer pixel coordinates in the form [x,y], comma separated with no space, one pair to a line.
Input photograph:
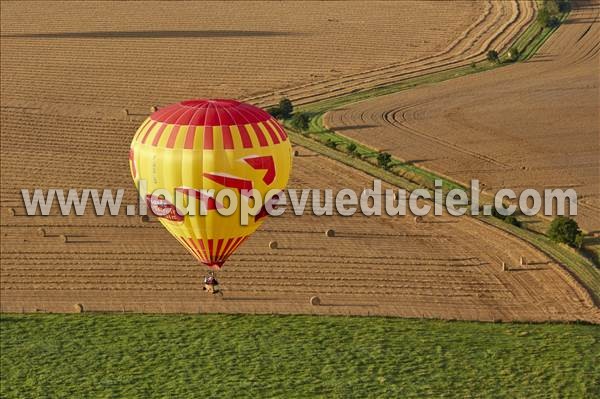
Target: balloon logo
[197,145]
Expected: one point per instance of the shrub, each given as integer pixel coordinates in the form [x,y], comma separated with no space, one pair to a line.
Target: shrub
[331,144]
[351,148]
[565,230]
[510,219]
[384,159]
[492,56]
[286,108]
[300,121]
[579,240]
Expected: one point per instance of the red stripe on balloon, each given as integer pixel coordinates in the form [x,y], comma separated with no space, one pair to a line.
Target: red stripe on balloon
[189,138]
[141,129]
[245,136]
[159,134]
[228,181]
[271,132]
[208,137]
[227,139]
[227,248]
[239,243]
[210,248]
[235,245]
[218,250]
[259,135]
[132,159]
[203,248]
[173,137]
[148,132]
[203,255]
[282,132]
[190,247]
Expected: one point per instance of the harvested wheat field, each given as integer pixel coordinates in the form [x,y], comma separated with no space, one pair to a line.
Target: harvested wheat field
[530,125]
[139,53]
[446,267]
[69,82]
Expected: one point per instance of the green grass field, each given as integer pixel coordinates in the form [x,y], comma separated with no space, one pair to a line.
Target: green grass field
[293,356]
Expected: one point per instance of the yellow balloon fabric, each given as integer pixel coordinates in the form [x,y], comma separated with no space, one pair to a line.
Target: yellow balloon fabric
[197,145]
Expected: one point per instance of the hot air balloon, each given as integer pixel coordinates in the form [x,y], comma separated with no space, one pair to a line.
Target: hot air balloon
[197,145]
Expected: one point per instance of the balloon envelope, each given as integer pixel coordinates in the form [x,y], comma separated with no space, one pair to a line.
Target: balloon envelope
[196,146]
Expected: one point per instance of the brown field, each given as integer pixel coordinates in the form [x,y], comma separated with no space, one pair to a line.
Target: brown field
[534,124]
[62,93]
[440,268]
[134,54]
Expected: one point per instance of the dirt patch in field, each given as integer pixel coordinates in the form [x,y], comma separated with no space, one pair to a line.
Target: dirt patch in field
[529,125]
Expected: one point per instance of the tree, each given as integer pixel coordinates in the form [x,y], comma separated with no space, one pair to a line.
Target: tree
[514,54]
[565,230]
[549,14]
[285,108]
[274,111]
[300,121]
[384,159]
[492,56]
[547,19]
[552,6]
[564,5]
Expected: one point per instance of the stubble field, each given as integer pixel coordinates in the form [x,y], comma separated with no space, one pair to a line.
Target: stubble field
[63,92]
[135,54]
[528,125]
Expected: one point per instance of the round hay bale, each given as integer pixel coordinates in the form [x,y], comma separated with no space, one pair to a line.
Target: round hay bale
[418,219]
[10,211]
[315,300]
[144,219]
[125,112]
[273,244]
[296,153]
[78,308]
[41,232]
[64,238]
[153,108]
[330,233]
